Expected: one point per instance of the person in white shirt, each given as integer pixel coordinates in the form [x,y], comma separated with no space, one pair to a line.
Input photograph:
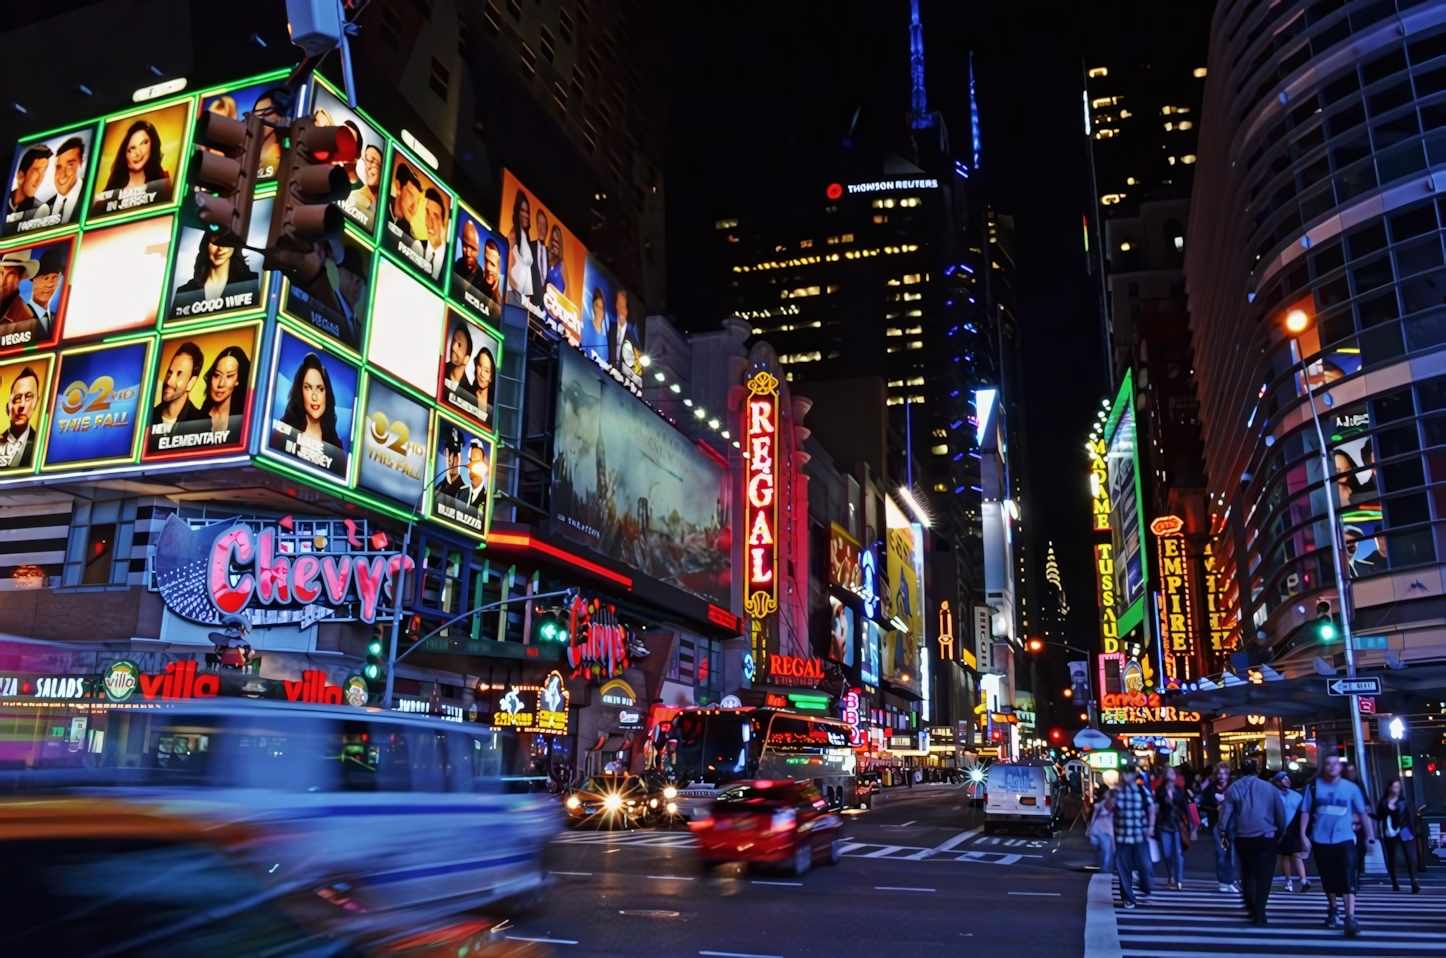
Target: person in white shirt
[69,163]
[519,264]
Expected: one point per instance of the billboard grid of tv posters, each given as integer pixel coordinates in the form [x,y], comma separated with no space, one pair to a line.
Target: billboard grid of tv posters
[395,434]
[48,181]
[34,292]
[628,485]
[24,388]
[201,397]
[463,459]
[96,405]
[313,406]
[140,160]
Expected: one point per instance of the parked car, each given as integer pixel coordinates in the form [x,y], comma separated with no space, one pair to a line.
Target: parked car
[780,823]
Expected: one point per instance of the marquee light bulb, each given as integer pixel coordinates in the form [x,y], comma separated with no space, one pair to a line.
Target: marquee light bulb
[1296,320]
[645,360]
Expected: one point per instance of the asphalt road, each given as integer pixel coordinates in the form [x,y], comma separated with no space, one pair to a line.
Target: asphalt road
[918,878]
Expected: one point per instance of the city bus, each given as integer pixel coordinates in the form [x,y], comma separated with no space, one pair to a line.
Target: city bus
[705,749]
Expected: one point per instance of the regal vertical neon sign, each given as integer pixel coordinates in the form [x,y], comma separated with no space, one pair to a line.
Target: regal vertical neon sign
[761,495]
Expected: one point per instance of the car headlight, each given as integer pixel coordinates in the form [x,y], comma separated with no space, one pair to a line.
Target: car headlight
[672,808]
[573,802]
[670,793]
[652,803]
[613,802]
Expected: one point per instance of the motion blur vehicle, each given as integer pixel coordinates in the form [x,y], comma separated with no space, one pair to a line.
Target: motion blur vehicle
[1025,794]
[411,820]
[869,785]
[785,823]
[608,801]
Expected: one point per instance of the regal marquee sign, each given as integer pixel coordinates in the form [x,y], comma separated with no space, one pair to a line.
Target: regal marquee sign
[761,495]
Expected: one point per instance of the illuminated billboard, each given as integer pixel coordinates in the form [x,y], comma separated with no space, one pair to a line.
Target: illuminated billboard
[418,220]
[471,354]
[140,161]
[1126,523]
[841,632]
[210,280]
[479,267]
[760,495]
[24,385]
[96,405]
[333,299]
[48,180]
[202,393]
[365,172]
[313,402]
[463,460]
[628,485]
[545,261]
[119,275]
[611,335]
[34,293]
[406,334]
[903,641]
[393,461]
[262,97]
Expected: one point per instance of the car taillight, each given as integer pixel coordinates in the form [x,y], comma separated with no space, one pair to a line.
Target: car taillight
[1046,800]
[783,821]
[701,824]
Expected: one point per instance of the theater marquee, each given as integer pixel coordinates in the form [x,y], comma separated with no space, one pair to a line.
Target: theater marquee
[761,494]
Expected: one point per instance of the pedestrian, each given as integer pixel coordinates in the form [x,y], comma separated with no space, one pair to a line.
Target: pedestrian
[1398,830]
[1254,811]
[1170,820]
[1351,774]
[1102,831]
[1288,847]
[1212,796]
[1134,827]
[1332,807]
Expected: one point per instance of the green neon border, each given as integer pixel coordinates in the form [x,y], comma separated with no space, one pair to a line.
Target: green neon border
[248,421]
[1126,394]
[331,481]
[48,238]
[177,194]
[95,129]
[437,420]
[143,402]
[398,151]
[42,420]
[426,444]
[451,295]
[371,316]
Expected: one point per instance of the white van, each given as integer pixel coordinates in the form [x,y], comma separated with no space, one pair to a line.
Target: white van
[1025,794]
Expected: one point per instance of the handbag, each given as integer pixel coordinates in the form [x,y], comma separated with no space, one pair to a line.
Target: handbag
[1154,850]
[1194,811]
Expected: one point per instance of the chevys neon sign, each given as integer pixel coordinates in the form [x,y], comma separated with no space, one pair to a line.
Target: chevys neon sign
[226,568]
[599,646]
[1177,627]
[761,494]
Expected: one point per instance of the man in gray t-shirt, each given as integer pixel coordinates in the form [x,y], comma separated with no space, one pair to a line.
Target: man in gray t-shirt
[1328,813]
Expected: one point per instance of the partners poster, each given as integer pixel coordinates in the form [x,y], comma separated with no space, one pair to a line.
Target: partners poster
[48,181]
[418,220]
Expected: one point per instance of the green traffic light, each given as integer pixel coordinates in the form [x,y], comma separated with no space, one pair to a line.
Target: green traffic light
[549,630]
[375,648]
[1327,631]
[562,635]
[372,670]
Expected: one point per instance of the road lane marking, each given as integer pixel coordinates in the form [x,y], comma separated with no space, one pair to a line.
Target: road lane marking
[1102,932]
[648,913]
[790,884]
[957,840]
[898,888]
[577,874]
[886,850]
[550,941]
[1038,894]
[736,954]
[670,878]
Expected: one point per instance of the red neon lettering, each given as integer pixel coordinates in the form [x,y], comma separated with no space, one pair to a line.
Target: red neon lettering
[303,578]
[760,490]
[760,416]
[229,598]
[207,686]
[369,577]
[151,685]
[760,574]
[336,573]
[272,572]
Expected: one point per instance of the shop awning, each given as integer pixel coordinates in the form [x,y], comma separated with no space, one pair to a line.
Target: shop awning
[1305,696]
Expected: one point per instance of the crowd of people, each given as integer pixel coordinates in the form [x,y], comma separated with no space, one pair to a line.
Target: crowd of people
[1251,823]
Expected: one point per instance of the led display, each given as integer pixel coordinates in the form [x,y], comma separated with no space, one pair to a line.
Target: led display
[365,172]
[418,219]
[48,179]
[209,280]
[394,444]
[479,267]
[262,98]
[470,356]
[95,408]
[406,335]
[869,660]
[545,262]
[34,291]
[610,331]
[23,387]
[332,298]
[463,461]
[139,163]
[201,396]
[119,274]
[313,402]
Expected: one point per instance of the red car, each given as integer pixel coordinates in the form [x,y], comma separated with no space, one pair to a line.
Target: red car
[774,823]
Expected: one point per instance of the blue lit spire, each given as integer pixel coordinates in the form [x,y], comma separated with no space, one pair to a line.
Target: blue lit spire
[919,116]
[973,112]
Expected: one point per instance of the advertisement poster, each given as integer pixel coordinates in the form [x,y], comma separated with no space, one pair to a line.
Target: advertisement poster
[365,172]
[23,385]
[479,267]
[460,499]
[901,645]
[545,262]
[140,160]
[629,485]
[260,98]
[209,280]
[610,331]
[841,632]
[312,407]
[407,327]
[334,300]
[869,653]
[1358,496]
[1125,522]
[201,394]
[418,220]
[47,182]
[34,290]
[97,404]
[119,275]
[470,355]
[394,445]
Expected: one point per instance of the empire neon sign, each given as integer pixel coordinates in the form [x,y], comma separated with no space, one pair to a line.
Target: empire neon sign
[1177,628]
[761,495]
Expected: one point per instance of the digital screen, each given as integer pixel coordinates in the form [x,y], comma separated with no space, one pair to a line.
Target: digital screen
[34,291]
[418,219]
[1125,521]
[140,160]
[407,327]
[463,460]
[479,267]
[610,331]
[210,280]
[313,404]
[201,394]
[841,632]
[365,172]
[333,299]
[253,98]
[629,485]
[470,355]
[97,403]
[545,262]
[394,445]
[47,182]
[23,389]
[1358,496]
[869,665]
[119,274]
[901,646]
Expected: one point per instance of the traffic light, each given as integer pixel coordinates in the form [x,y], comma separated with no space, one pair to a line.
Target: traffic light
[311,179]
[226,160]
[372,671]
[551,627]
[1056,735]
[1325,624]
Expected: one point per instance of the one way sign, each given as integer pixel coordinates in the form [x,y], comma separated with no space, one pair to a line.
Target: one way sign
[1363,686]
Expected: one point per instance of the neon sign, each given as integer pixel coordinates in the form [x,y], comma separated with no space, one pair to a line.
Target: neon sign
[599,646]
[1217,584]
[1099,486]
[761,493]
[541,709]
[792,670]
[946,632]
[1176,626]
[849,712]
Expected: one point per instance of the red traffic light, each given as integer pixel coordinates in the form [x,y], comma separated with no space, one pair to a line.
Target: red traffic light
[311,180]
[834,191]
[1055,735]
[1036,645]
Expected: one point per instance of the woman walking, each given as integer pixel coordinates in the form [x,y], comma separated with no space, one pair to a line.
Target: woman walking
[1398,830]
[1212,796]
[1170,821]
[1102,831]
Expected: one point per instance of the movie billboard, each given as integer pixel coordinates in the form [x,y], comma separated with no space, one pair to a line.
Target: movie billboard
[365,171]
[313,404]
[418,220]
[407,327]
[23,388]
[479,267]
[1358,496]
[464,460]
[97,405]
[545,262]
[334,301]
[210,280]
[262,97]
[34,291]
[119,277]
[470,357]
[140,161]
[48,180]
[610,330]
[200,398]
[628,485]
[394,444]
[841,632]
[902,643]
